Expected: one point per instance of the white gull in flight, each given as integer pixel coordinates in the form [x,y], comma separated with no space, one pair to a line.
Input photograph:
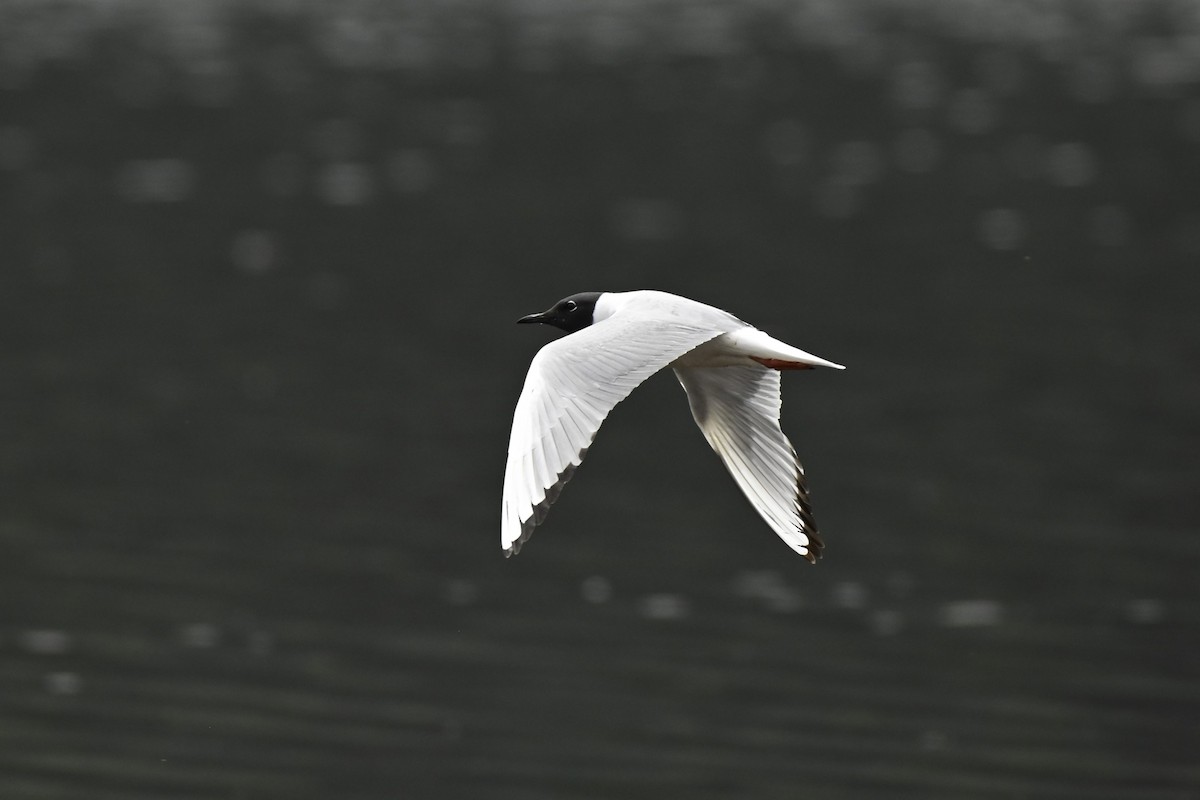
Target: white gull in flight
[730,371]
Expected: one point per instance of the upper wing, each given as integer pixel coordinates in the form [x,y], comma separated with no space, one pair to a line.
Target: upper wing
[737,409]
[572,384]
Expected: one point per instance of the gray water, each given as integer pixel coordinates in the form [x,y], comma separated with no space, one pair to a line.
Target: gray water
[260,269]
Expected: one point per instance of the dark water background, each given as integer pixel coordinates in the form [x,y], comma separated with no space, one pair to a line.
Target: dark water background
[259,265]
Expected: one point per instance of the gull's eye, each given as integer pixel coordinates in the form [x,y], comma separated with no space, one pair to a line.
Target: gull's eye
[570,306]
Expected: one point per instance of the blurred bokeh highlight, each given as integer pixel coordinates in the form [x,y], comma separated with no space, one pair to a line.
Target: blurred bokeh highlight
[259,265]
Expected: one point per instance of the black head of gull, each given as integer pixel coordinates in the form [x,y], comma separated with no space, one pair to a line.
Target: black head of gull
[571,314]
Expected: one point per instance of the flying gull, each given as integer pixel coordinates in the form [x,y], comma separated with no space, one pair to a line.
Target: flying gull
[616,340]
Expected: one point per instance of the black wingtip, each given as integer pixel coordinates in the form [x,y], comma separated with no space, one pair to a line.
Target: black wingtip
[815,546]
[815,543]
[527,527]
[543,508]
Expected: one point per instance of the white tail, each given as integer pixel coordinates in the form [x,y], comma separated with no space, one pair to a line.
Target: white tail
[770,352]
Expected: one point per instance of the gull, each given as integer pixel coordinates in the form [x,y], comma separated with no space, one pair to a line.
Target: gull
[616,340]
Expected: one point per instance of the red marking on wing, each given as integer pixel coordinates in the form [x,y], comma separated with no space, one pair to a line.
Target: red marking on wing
[779,363]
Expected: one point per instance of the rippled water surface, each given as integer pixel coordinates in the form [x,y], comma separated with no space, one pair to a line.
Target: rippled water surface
[260,268]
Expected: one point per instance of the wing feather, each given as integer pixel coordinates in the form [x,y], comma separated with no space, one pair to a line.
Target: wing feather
[737,410]
[572,385]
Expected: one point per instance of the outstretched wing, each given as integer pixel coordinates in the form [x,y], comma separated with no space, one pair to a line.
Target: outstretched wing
[572,385]
[737,409]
